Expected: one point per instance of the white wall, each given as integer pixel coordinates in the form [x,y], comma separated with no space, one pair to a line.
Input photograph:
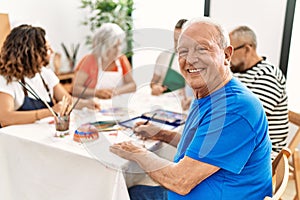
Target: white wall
[293,73]
[265,17]
[154,23]
[62,18]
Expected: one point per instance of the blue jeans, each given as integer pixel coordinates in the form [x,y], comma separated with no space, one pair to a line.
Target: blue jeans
[144,192]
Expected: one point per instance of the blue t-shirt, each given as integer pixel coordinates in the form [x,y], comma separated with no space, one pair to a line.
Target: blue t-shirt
[228,129]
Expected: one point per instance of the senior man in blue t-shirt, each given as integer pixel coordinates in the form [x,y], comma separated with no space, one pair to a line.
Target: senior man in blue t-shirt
[224,150]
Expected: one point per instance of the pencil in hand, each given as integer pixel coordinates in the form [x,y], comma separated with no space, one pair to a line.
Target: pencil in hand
[148,120]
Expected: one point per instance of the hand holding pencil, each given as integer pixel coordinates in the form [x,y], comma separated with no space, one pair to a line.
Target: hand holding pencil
[147,130]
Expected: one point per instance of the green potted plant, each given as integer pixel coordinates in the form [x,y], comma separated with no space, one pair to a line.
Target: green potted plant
[104,11]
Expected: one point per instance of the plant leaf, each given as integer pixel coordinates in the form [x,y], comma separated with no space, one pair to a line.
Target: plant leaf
[66,51]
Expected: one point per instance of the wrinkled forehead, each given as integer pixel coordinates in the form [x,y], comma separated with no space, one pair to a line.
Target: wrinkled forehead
[198,33]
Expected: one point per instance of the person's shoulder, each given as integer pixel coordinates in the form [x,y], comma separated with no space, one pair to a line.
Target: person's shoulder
[47,71]
[49,76]
[3,81]
[7,87]
[124,61]
[90,58]
[267,69]
[2,77]
[236,89]
[265,66]
[123,57]
[125,64]
[88,61]
[239,98]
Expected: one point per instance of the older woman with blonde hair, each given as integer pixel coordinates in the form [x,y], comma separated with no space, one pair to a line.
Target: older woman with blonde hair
[106,72]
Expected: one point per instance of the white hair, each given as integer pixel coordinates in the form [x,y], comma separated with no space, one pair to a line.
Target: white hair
[106,37]
[224,40]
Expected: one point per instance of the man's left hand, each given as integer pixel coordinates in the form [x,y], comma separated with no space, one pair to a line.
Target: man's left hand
[128,150]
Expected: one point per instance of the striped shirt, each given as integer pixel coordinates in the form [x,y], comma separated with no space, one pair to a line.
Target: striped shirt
[268,83]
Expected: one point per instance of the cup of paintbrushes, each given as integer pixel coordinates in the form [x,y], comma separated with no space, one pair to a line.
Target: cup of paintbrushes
[62,122]
[62,125]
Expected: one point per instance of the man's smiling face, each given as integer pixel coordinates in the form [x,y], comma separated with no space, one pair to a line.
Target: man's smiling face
[201,58]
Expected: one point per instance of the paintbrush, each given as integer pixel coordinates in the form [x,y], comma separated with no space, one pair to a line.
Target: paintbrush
[65,105]
[31,91]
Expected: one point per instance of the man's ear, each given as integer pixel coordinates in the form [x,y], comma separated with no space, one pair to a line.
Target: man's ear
[228,51]
[248,47]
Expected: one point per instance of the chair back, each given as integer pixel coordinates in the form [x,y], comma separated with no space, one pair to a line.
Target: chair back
[296,173]
[294,118]
[280,174]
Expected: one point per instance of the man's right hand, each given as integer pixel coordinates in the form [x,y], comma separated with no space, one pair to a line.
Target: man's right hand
[148,131]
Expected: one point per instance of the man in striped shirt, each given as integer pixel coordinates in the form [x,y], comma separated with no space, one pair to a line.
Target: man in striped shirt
[264,80]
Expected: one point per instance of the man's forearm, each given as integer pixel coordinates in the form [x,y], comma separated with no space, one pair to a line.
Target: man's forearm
[174,176]
[169,137]
[159,169]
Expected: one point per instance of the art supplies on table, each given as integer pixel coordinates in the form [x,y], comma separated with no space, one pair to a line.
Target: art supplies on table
[62,121]
[85,133]
[89,131]
[105,125]
[115,111]
[160,117]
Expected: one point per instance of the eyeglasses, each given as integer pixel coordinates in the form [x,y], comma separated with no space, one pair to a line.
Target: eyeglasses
[239,47]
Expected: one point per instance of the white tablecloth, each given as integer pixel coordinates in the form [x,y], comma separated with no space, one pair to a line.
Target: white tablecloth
[35,165]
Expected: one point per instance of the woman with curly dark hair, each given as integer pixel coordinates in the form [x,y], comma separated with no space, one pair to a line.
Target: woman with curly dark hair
[23,56]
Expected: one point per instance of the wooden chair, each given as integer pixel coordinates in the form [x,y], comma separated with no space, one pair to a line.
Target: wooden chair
[294,118]
[280,174]
[296,173]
